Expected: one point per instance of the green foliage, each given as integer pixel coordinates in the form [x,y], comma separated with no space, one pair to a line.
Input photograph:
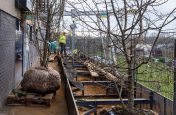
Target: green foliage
[158,77]
[122,65]
[154,75]
[161,59]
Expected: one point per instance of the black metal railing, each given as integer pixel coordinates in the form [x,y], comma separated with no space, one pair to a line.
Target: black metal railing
[72,108]
[158,103]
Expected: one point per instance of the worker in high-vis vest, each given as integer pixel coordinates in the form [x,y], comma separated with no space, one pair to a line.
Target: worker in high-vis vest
[62,43]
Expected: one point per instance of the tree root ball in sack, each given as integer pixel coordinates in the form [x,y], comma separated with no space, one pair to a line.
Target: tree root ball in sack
[41,80]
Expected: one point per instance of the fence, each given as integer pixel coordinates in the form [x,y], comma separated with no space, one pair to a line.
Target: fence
[156,76]
[161,105]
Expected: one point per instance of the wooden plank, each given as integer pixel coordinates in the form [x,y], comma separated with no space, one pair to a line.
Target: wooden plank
[30,100]
[39,100]
[94,82]
[89,112]
[92,72]
[52,57]
[105,73]
[104,84]
[14,100]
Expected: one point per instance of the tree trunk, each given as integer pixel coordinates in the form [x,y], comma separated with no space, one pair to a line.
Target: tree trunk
[47,37]
[130,89]
[45,55]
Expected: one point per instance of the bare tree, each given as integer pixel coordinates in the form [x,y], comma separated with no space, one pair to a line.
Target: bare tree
[47,17]
[127,24]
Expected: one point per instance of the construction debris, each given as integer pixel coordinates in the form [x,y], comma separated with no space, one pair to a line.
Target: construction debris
[95,70]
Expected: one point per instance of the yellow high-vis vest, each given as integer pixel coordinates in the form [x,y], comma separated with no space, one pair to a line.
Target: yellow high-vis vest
[62,39]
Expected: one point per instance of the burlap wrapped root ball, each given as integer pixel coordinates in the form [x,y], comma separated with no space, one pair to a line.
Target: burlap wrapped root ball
[41,80]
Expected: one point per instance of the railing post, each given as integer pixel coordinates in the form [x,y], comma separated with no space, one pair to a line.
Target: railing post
[174,96]
[95,113]
[151,100]
[165,106]
[83,91]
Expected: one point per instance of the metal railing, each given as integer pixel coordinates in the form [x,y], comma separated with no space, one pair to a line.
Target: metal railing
[161,105]
[71,104]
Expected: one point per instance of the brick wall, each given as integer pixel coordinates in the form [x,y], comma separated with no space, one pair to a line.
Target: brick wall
[7,54]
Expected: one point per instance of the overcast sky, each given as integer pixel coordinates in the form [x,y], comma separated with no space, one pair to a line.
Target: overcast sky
[68,20]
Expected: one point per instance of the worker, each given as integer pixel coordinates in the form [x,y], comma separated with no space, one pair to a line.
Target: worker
[53,46]
[62,43]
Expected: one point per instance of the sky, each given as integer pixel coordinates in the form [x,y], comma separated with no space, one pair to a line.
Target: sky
[81,27]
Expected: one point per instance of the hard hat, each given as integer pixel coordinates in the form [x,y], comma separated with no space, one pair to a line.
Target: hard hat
[63,33]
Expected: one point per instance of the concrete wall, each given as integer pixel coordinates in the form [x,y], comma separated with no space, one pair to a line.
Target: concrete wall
[7,54]
[9,7]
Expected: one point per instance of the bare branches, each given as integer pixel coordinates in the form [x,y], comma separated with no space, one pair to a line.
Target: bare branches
[47,17]
[126,25]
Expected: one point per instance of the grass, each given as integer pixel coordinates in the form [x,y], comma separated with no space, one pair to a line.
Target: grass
[154,75]
[158,77]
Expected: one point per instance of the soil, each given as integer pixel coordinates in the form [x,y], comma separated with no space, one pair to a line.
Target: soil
[84,69]
[99,108]
[84,78]
[58,106]
[92,90]
[104,109]
[121,111]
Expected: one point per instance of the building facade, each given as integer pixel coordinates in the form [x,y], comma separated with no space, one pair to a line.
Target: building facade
[17,51]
